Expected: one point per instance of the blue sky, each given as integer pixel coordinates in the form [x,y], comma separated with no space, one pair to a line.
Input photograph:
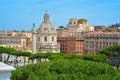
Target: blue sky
[20,14]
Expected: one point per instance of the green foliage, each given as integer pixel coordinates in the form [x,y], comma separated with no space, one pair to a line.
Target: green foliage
[111,50]
[52,56]
[12,51]
[32,76]
[25,54]
[2,49]
[62,27]
[9,51]
[94,57]
[56,56]
[66,69]
[72,56]
[39,56]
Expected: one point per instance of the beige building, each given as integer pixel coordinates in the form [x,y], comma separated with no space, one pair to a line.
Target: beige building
[80,25]
[105,28]
[17,40]
[95,41]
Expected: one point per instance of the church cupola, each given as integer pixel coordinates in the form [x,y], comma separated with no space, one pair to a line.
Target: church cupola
[45,38]
[47,26]
[46,17]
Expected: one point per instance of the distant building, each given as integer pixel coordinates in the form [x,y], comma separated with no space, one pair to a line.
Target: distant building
[17,40]
[97,40]
[116,26]
[100,28]
[80,25]
[71,42]
[105,28]
[45,38]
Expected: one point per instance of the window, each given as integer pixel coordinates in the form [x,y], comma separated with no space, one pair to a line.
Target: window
[52,29]
[45,28]
[74,22]
[52,38]
[45,38]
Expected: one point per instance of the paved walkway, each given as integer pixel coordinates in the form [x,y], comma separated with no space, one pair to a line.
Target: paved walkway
[5,67]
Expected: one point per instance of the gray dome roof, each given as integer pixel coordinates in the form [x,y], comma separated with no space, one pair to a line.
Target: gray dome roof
[46,26]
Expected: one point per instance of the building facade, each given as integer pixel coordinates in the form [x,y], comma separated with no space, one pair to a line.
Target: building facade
[17,40]
[95,41]
[116,26]
[45,38]
[71,42]
[80,25]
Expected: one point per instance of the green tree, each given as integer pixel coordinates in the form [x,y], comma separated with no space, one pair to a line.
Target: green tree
[62,27]
[111,51]
[67,69]
[9,51]
[32,76]
[95,57]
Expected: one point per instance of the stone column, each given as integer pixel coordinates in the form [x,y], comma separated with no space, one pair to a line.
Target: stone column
[33,39]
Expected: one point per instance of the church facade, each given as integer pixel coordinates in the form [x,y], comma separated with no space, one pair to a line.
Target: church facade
[45,38]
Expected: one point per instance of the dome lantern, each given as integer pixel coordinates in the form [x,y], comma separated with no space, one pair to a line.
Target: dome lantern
[46,18]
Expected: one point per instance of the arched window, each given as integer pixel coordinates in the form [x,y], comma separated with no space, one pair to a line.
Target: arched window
[45,38]
[52,38]
[74,22]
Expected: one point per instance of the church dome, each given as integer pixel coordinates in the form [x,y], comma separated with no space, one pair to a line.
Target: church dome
[46,26]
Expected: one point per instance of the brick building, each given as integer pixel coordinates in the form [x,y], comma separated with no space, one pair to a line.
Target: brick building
[71,41]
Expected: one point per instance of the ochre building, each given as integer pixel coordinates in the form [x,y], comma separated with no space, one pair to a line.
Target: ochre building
[17,40]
